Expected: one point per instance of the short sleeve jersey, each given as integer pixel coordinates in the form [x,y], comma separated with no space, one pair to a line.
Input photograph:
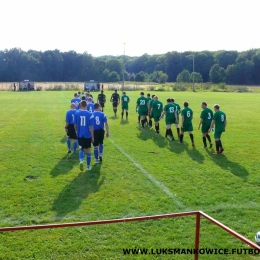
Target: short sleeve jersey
[149,100]
[124,100]
[206,115]
[142,103]
[83,120]
[177,108]
[70,116]
[115,97]
[187,113]
[219,118]
[157,107]
[99,120]
[90,107]
[169,111]
[101,98]
[76,101]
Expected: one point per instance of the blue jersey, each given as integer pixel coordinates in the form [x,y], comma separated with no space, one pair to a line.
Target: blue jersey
[76,101]
[70,116]
[99,119]
[90,107]
[83,120]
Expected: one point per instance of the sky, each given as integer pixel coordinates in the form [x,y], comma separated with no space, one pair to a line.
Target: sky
[130,27]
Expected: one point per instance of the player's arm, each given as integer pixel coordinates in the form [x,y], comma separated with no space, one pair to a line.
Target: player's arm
[176,117]
[212,125]
[111,99]
[107,129]
[91,128]
[162,114]
[201,121]
[104,98]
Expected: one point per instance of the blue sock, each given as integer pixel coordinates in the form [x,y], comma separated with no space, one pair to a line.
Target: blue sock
[101,147]
[68,143]
[96,153]
[81,155]
[88,159]
[75,145]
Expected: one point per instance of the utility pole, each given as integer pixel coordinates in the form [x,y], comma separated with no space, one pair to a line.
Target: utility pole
[193,75]
[123,86]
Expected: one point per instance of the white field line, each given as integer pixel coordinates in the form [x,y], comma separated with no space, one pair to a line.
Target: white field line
[151,177]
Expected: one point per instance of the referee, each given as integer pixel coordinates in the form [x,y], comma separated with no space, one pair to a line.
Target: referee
[101,100]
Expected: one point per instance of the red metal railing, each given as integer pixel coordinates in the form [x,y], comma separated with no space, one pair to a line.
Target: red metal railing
[198,215]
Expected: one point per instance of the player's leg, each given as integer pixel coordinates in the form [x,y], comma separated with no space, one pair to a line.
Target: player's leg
[88,151]
[183,129]
[209,139]
[138,120]
[126,114]
[221,149]
[191,138]
[81,153]
[150,123]
[68,144]
[142,118]
[101,145]
[75,145]
[157,126]
[96,144]
[204,140]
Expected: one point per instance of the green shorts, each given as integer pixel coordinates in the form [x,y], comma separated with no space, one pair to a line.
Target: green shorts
[205,128]
[187,127]
[217,134]
[156,117]
[125,107]
[143,112]
[169,121]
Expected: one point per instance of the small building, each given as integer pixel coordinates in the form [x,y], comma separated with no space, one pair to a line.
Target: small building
[91,85]
[26,85]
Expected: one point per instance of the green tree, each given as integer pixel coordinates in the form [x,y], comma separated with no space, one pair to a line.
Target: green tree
[184,76]
[140,76]
[217,74]
[113,76]
[197,77]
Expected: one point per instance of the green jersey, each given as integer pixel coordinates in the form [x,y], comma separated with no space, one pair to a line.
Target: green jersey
[207,116]
[177,108]
[149,99]
[142,103]
[125,100]
[220,118]
[169,110]
[157,107]
[187,113]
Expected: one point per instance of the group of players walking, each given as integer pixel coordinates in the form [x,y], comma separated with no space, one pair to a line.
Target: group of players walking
[153,108]
[85,123]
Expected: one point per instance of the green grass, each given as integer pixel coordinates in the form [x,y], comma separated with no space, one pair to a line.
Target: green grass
[40,183]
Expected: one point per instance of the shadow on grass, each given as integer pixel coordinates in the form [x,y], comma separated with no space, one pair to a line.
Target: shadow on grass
[124,122]
[64,165]
[222,161]
[63,139]
[146,134]
[71,197]
[194,154]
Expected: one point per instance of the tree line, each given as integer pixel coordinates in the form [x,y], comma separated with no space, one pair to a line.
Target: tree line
[231,67]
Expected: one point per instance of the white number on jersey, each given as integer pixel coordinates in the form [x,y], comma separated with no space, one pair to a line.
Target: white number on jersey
[159,105]
[97,120]
[73,117]
[171,109]
[209,116]
[222,118]
[142,102]
[82,121]
[90,109]
[125,99]
[188,113]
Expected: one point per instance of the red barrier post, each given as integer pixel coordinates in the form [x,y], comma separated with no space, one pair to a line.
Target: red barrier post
[197,236]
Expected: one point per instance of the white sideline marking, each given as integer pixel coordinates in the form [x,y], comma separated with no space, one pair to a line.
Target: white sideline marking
[151,177]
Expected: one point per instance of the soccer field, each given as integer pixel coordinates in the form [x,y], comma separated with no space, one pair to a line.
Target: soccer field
[141,174]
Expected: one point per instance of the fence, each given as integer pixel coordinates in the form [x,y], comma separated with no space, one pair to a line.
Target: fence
[198,215]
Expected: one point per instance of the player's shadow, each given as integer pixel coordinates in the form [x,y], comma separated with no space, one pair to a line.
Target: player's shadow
[113,117]
[223,162]
[65,165]
[124,122]
[63,139]
[72,195]
[194,154]
[159,140]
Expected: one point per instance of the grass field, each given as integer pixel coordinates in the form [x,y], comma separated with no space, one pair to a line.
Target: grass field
[142,174]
